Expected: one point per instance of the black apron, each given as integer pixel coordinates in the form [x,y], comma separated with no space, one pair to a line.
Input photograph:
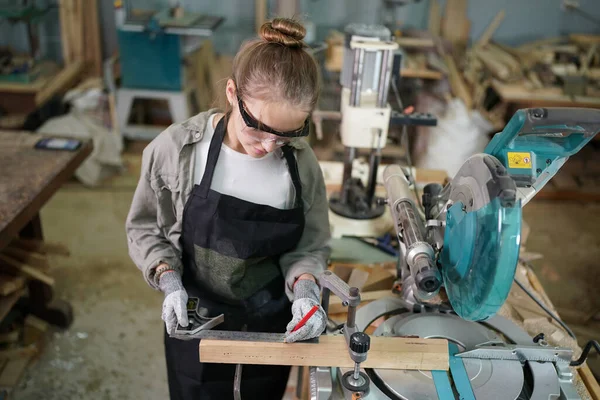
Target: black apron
[240,235]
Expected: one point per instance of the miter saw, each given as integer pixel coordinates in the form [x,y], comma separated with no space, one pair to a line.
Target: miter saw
[465,237]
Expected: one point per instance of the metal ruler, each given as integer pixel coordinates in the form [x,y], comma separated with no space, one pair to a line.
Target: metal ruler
[246,336]
[520,353]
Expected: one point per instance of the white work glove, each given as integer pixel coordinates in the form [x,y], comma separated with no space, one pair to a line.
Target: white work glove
[306,295]
[174,308]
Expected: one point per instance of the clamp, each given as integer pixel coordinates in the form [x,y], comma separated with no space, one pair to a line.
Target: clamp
[358,342]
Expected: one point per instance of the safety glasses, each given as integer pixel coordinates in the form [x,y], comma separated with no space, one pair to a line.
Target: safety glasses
[251,122]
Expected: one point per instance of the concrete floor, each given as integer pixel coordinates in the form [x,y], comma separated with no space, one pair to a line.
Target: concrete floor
[114,348]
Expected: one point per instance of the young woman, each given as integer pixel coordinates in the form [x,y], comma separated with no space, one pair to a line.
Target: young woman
[231,208]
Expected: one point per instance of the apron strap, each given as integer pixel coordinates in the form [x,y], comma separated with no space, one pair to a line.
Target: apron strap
[288,153]
[213,156]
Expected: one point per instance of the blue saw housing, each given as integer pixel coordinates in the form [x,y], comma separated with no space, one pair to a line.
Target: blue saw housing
[536,142]
[479,257]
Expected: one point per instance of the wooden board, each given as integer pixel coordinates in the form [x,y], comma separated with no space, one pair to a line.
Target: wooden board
[93,46]
[421,73]
[583,39]
[590,382]
[10,284]
[491,29]
[26,257]
[260,13]
[12,372]
[336,307]
[454,22]
[18,352]
[331,351]
[547,97]
[14,266]
[64,80]
[7,302]
[435,18]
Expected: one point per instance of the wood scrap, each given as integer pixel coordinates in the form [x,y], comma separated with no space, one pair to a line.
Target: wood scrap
[61,82]
[379,278]
[590,381]
[358,278]
[18,352]
[34,330]
[12,371]
[41,246]
[7,302]
[10,337]
[336,306]
[10,284]
[491,29]
[453,22]
[11,265]
[435,18]
[331,351]
[92,45]
[584,39]
[410,42]
[26,257]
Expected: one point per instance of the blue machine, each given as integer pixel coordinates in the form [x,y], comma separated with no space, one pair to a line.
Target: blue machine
[153,45]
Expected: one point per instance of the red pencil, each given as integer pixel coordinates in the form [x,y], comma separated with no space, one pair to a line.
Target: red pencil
[306,318]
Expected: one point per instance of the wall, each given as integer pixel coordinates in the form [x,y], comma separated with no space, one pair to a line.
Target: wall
[525,20]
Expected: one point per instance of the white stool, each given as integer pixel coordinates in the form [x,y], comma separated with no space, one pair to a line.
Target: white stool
[179,108]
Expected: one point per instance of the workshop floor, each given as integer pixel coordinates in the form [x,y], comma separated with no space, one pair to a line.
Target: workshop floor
[114,348]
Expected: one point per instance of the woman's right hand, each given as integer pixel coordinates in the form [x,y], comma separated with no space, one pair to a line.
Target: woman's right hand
[174,308]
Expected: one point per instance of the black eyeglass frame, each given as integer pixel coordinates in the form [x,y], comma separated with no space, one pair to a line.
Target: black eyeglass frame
[251,122]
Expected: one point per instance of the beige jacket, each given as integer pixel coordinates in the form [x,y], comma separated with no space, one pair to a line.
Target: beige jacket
[154,221]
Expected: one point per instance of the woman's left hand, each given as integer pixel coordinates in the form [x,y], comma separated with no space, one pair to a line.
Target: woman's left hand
[306,296]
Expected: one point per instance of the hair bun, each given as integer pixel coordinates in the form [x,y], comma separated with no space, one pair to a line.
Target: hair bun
[285,31]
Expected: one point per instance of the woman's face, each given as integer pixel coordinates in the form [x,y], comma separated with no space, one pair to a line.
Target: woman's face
[279,116]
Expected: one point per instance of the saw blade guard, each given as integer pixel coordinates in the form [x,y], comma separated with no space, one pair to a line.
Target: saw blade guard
[479,257]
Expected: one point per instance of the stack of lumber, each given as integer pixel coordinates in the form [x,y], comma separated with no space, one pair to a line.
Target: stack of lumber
[21,337]
[567,66]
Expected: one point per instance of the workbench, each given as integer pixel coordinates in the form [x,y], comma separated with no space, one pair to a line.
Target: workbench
[29,178]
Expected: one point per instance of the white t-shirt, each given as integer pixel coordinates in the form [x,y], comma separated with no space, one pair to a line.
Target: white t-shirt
[263,180]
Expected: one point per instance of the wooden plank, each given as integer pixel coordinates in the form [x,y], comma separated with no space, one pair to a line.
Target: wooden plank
[7,302]
[93,46]
[12,372]
[453,22]
[412,42]
[65,34]
[379,279]
[590,382]
[27,257]
[435,18]
[457,83]
[61,82]
[358,278]
[10,284]
[331,351]
[491,29]
[336,307]
[421,73]
[18,352]
[12,265]
[34,330]
[10,337]
[41,246]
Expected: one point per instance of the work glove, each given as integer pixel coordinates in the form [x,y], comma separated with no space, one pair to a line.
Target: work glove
[174,308]
[306,296]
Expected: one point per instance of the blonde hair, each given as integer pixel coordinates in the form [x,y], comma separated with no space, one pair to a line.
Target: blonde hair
[276,67]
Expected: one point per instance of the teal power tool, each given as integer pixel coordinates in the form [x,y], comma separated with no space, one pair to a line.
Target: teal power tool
[471,238]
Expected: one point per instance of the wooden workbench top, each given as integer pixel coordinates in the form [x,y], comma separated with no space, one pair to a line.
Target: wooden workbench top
[29,177]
